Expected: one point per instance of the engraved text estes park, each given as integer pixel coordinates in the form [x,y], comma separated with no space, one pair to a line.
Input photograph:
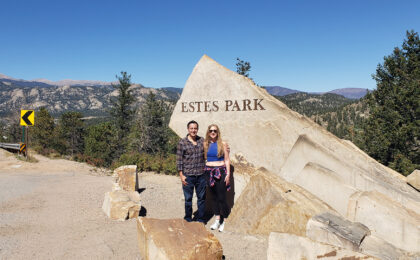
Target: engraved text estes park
[226,105]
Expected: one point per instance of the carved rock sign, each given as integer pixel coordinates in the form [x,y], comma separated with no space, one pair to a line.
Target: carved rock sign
[286,143]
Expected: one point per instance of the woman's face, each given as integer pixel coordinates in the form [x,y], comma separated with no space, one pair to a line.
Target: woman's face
[213,132]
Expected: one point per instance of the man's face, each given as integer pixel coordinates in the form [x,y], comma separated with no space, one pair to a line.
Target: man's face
[192,130]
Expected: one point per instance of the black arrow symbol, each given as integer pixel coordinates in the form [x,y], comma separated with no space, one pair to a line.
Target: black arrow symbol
[25,117]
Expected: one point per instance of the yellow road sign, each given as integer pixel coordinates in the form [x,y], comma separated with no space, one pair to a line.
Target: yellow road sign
[27,117]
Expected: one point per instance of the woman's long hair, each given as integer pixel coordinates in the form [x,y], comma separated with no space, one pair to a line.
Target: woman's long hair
[207,140]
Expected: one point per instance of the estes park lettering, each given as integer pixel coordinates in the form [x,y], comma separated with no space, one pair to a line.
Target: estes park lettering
[227,105]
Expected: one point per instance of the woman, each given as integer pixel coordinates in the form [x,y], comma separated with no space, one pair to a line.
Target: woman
[216,153]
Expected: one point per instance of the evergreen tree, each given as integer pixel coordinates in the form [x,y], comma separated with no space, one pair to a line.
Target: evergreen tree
[151,133]
[43,130]
[70,130]
[243,67]
[122,111]
[100,142]
[392,132]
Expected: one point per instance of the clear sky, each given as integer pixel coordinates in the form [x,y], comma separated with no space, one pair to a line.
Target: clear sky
[304,45]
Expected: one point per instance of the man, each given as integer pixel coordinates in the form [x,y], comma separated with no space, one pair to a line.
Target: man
[190,165]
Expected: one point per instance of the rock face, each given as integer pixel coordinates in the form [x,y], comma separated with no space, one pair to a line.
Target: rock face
[283,246]
[127,177]
[176,239]
[334,230]
[383,250]
[414,179]
[295,149]
[276,206]
[121,205]
[386,219]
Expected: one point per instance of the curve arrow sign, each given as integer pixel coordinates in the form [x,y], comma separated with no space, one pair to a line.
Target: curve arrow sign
[27,117]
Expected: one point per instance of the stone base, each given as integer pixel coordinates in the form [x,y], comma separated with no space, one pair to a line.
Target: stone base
[121,205]
[176,239]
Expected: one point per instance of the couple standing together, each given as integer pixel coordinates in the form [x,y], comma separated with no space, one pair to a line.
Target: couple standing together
[203,162]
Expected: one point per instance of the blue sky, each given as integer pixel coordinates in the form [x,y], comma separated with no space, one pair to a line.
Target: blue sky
[304,45]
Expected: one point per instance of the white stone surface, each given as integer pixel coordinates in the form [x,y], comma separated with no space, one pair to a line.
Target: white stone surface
[386,219]
[282,246]
[383,250]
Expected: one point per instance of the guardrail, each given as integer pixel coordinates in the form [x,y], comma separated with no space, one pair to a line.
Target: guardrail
[10,146]
[20,147]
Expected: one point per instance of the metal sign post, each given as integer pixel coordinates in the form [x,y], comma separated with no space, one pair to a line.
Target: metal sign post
[27,118]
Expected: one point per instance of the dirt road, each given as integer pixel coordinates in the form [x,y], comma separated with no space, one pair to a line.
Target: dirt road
[52,210]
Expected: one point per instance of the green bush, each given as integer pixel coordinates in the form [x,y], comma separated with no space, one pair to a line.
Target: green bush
[165,164]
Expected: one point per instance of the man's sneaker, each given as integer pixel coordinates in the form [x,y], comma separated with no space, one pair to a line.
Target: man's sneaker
[215,225]
[222,226]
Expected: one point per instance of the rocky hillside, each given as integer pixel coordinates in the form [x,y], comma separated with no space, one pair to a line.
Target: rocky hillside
[91,100]
[312,104]
[351,93]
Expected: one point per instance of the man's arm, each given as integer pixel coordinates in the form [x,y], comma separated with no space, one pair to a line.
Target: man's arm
[179,163]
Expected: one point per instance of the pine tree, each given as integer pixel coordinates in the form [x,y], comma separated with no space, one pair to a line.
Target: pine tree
[151,132]
[100,142]
[70,131]
[122,111]
[392,132]
[243,67]
[43,130]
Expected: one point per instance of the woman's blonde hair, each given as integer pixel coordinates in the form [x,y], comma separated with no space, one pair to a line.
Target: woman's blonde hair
[207,140]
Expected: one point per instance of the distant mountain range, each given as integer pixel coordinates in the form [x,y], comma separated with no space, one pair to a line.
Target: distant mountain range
[92,98]
[351,93]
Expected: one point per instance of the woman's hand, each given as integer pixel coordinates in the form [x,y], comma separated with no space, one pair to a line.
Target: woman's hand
[227,179]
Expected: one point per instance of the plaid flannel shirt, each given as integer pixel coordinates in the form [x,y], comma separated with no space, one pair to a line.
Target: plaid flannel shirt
[190,157]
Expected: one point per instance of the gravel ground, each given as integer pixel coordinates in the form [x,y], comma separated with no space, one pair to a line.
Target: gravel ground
[52,210]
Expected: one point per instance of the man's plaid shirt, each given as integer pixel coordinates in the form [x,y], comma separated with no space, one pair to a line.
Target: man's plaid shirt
[190,157]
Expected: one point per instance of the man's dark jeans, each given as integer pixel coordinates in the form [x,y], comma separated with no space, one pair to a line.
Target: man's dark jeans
[199,183]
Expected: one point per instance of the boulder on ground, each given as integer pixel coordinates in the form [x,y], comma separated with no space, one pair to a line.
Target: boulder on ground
[121,204]
[127,177]
[335,230]
[176,239]
[282,246]
[268,203]
[383,250]
[414,179]
[386,219]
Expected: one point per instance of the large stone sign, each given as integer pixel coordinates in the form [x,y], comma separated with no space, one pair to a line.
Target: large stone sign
[296,149]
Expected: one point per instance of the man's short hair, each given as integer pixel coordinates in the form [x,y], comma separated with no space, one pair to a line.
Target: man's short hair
[192,122]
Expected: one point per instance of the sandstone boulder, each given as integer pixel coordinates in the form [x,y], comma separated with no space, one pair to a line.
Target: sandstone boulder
[121,204]
[414,179]
[383,250]
[283,246]
[127,177]
[335,230]
[276,206]
[386,219]
[176,239]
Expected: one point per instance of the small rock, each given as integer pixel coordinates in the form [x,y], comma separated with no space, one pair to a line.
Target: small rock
[121,205]
[127,176]
[337,231]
